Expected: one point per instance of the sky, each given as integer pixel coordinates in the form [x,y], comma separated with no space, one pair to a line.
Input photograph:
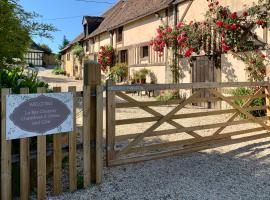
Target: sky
[65,15]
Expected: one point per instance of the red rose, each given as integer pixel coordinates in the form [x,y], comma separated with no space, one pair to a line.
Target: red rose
[233,26]
[263,56]
[217,3]
[260,22]
[219,23]
[227,26]
[233,15]
[189,52]
[245,13]
[180,25]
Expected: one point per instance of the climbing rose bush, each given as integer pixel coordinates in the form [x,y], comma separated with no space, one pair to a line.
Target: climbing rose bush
[232,33]
[105,57]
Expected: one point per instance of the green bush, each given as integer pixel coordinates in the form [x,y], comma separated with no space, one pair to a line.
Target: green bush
[168,95]
[256,102]
[59,71]
[16,78]
[120,72]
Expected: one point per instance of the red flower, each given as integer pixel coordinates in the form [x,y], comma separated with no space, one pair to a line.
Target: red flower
[260,22]
[219,23]
[233,26]
[233,15]
[189,52]
[169,29]
[245,14]
[227,26]
[263,56]
[217,2]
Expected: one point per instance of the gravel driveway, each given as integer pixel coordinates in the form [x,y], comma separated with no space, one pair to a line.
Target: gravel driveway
[240,171]
[236,172]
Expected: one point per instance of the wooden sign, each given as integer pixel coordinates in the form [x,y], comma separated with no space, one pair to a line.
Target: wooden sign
[30,115]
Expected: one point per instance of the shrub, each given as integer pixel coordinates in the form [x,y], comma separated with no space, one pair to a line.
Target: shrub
[16,78]
[256,102]
[59,71]
[167,95]
[120,72]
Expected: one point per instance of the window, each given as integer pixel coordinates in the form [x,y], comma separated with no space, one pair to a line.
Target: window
[87,46]
[144,52]
[123,56]
[119,34]
[68,57]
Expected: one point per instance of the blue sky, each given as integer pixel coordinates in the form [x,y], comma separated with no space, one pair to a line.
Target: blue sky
[71,10]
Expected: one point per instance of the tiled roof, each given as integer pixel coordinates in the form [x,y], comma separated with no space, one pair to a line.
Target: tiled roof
[126,11]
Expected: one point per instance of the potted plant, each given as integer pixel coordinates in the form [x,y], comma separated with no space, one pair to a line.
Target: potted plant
[120,72]
[143,74]
[136,77]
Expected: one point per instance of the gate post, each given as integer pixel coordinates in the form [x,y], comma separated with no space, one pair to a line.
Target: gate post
[110,122]
[92,79]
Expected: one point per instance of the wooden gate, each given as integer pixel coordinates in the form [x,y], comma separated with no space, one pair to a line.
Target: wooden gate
[152,143]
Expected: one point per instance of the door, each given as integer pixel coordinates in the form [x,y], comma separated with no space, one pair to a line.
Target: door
[204,70]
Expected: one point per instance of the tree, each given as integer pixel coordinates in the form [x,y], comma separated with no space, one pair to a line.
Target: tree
[17,26]
[65,42]
[46,48]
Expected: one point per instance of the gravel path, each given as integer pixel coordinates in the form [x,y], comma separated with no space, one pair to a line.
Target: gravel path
[235,172]
[240,171]
[59,80]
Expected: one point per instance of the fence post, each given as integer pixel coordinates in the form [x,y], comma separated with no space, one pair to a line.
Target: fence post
[92,78]
[267,102]
[110,122]
[6,193]
[72,146]
[99,143]
[24,162]
[41,162]
[57,158]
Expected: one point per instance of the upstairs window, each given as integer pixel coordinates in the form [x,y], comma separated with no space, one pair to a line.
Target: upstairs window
[87,46]
[144,51]
[119,35]
[68,57]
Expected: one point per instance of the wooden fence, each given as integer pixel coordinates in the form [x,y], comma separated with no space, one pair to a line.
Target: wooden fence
[133,147]
[62,144]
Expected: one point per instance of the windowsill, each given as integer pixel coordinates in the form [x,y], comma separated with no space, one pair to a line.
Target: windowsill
[145,58]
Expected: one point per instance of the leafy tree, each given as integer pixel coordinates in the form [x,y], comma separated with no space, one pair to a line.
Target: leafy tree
[17,26]
[46,48]
[65,42]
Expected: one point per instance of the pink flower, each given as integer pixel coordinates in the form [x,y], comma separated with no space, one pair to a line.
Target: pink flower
[169,29]
[189,52]
[180,25]
[219,23]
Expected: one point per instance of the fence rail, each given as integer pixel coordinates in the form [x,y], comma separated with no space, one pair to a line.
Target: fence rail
[147,87]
